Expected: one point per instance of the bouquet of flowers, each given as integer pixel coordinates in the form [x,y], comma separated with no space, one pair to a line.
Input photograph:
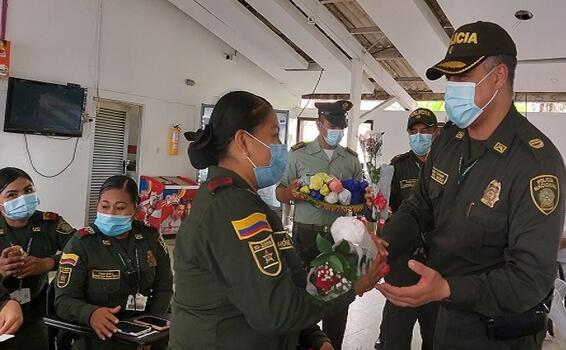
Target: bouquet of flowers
[378,174]
[335,270]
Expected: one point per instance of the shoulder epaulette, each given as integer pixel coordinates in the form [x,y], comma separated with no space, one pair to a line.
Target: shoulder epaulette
[351,151]
[535,141]
[50,216]
[298,146]
[219,182]
[85,231]
[400,157]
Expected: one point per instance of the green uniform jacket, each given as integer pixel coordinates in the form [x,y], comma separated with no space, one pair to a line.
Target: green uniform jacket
[307,159]
[407,171]
[92,275]
[239,282]
[50,233]
[494,224]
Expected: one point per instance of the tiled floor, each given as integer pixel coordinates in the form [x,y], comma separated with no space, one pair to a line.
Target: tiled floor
[364,319]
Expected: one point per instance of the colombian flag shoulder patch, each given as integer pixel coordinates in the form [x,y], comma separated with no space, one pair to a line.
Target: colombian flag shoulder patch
[251,225]
[69,259]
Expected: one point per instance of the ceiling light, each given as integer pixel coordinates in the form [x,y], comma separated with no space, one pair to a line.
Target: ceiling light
[523,15]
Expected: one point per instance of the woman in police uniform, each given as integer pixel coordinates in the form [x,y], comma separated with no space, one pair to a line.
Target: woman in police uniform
[113,269]
[239,282]
[30,242]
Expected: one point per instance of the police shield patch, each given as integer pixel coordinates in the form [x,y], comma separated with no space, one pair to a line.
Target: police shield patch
[266,256]
[64,276]
[63,227]
[545,193]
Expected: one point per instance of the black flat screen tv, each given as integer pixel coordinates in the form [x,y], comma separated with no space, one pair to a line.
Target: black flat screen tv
[35,107]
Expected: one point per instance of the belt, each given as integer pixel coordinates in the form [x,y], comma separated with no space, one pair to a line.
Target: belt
[311,227]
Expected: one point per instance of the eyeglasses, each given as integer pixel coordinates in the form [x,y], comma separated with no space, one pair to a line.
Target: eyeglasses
[428,130]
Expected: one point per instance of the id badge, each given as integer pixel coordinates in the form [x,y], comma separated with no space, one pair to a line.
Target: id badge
[22,295]
[136,302]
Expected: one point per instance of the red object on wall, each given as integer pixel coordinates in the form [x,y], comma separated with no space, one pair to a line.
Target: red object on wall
[4,59]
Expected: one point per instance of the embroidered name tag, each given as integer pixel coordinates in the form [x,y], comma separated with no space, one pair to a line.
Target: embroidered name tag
[106,275]
[439,176]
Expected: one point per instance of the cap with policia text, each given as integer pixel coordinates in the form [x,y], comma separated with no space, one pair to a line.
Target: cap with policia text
[470,45]
[422,115]
[335,112]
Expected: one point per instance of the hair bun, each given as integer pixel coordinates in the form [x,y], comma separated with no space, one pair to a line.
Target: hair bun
[201,150]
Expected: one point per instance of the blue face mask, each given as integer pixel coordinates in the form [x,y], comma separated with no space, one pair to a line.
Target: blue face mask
[420,143]
[271,174]
[460,102]
[21,208]
[113,225]
[334,136]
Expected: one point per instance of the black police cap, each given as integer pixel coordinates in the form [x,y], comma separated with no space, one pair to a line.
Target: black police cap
[335,112]
[422,115]
[470,45]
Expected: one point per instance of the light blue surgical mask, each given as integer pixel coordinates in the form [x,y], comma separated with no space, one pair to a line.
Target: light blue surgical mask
[113,225]
[334,136]
[21,208]
[271,174]
[420,143]
[460,102]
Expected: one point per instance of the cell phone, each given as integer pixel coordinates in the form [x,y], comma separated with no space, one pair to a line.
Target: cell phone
[132,329]
[157,323]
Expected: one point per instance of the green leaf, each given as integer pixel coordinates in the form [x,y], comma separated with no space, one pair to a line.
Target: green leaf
[323,245]
[319,260]
[343,248]
[335,263]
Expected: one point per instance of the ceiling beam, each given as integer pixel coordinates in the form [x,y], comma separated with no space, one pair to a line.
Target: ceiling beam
[433,96]
[337,32]
[389,53]
[324,2]
[364,30]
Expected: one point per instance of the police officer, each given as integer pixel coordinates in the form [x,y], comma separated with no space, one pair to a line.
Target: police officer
[239,283]
[491,195]
[396,330]
[30,245]
[324,154]
[113,269]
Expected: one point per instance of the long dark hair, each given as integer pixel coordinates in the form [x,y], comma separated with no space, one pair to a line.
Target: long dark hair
[10,174]
[123,183]
[234,111]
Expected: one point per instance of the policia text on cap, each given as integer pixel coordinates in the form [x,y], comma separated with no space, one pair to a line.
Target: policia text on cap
[490,195]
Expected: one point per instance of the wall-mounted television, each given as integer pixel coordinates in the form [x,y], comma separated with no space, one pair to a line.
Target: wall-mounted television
[35,107]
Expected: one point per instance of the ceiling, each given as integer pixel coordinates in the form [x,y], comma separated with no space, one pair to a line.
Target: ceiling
[396,41]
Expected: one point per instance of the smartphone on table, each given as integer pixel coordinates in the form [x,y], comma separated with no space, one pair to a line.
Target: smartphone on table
[132,329]
[154,322]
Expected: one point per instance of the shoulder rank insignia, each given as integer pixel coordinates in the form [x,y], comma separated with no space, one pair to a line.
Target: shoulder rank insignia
[491,193]
[85,231]
[138,236]
[459,135]
[298,146]
[251,226]
[266,256]
[63,227]
[219,182]
[69,259]
[545,193]
[351,151]
[49,216]
[499,147]
[536,143]
[2,231]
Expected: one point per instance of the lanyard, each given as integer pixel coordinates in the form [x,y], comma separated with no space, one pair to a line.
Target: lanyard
[130,271]
[463,173]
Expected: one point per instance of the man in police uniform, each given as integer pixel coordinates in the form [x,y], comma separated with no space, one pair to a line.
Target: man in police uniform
[490,195]
[396,330]
[322,155]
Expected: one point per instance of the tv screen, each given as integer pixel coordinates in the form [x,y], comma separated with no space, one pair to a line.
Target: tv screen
[36,107]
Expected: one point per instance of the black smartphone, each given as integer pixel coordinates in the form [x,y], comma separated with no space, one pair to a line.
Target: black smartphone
[154,322]
[133,329]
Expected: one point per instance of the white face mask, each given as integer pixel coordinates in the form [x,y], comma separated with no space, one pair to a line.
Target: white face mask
[460,102]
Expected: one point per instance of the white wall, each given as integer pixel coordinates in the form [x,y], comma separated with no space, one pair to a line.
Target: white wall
[148,49]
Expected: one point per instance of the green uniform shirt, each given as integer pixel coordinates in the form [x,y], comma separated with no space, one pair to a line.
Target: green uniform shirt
[309,159]
[45,235]
[494,221]
[239,282]
[93,273]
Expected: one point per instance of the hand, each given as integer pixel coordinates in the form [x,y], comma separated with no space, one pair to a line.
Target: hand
[11,317]
[33,266]
[381,245]
[11,259]
[431,287]
[326,346]
[285,194]
[103,321]
[375,272]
